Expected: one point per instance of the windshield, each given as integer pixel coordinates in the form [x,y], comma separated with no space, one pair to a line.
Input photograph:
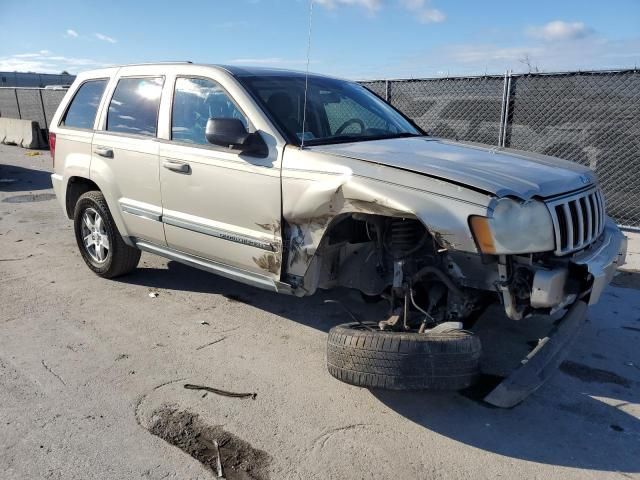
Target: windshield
[337,110]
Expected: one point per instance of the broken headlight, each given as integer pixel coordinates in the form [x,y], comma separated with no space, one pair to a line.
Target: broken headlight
[514,227]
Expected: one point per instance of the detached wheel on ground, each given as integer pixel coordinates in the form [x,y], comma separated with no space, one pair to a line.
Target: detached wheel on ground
[99,241]
[403,361]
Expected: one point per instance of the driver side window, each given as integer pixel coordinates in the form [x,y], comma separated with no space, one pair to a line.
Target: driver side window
[339,114]
[195,100]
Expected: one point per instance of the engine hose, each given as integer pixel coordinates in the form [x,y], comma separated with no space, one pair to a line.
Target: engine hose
[429,270]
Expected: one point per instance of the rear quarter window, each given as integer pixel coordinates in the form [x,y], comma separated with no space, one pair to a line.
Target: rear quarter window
[134,106]
[82,110]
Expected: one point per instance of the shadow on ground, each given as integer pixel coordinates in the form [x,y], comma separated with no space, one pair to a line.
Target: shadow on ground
[580,408]
[310,311]
[566,431]
[20,179]
[564,424]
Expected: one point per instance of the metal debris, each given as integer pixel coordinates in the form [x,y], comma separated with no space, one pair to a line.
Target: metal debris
[218,461]
[217,391]
[153,294]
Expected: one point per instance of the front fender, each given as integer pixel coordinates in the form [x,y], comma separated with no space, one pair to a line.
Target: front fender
[329,187]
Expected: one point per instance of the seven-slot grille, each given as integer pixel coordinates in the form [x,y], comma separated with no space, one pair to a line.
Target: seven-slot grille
[577,220]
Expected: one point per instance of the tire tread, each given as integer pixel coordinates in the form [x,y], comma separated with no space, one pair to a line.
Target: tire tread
[403,361]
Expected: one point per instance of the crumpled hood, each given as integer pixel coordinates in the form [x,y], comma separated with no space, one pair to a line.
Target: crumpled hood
[494,170]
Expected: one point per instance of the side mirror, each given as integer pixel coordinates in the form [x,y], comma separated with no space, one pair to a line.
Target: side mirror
[231,133]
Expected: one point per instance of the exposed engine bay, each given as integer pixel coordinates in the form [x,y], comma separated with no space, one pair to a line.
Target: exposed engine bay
[426,283]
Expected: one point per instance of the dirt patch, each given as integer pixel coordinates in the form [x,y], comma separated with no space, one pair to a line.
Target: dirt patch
[269,262]
[589,374]
[185,430]
[31,197]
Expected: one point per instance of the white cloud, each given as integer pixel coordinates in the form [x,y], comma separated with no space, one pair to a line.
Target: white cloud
[46,62]
[560,30]
[425,12]
[105,38]
[589,53]
[71,33]
[369,4]
[422,9]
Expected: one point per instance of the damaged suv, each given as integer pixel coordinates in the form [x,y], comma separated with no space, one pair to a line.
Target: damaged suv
[295,182]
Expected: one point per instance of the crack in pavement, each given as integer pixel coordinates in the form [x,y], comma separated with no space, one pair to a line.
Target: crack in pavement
[211,343]
[44,364]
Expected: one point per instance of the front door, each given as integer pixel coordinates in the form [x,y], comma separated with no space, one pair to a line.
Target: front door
[218,204]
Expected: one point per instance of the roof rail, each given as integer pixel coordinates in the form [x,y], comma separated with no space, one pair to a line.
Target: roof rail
[155,63]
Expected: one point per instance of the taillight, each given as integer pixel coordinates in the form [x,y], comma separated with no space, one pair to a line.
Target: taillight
[52,147]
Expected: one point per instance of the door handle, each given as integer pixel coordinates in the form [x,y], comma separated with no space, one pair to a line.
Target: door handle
[179,167]
[104,152]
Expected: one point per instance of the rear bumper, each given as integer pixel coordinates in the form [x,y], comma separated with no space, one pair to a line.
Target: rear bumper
[603,260]
[59,188]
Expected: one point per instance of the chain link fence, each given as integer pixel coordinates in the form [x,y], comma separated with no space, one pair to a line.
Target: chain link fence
[592,118]
[37,104]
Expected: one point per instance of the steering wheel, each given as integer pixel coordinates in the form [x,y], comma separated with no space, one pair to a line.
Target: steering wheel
[349,122]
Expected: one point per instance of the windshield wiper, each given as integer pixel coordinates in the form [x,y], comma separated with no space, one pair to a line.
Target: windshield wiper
[359,138]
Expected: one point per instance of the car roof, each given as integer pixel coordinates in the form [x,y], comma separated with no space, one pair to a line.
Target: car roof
[234,70]
[249,71]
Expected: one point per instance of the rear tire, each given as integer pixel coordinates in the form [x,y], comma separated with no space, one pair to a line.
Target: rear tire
[403,361]
[105,254]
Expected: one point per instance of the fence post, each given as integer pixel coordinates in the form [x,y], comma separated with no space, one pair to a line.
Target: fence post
[44,114]
[386,90]
[506,110]
[15,92]
[502,107]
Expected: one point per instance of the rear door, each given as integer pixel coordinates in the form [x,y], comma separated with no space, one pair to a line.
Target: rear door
[74,132]
[125,152]
[217,203]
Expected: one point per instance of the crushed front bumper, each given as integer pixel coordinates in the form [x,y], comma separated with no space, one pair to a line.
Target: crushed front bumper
[541,362]
[601,261]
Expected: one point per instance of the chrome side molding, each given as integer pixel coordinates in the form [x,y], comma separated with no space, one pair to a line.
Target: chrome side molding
[218,233]
[140,212]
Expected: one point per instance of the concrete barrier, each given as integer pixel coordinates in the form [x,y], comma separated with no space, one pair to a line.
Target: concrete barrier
[24,133]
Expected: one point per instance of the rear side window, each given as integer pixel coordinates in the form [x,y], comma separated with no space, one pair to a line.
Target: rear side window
[82,111]
[134,106]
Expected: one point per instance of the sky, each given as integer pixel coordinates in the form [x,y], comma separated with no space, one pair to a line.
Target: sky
[357,39]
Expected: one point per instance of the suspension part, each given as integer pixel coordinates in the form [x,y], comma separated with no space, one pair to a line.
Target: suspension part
[406,236]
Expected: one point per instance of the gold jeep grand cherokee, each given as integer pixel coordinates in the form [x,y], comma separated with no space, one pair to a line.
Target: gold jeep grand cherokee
[294,182]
